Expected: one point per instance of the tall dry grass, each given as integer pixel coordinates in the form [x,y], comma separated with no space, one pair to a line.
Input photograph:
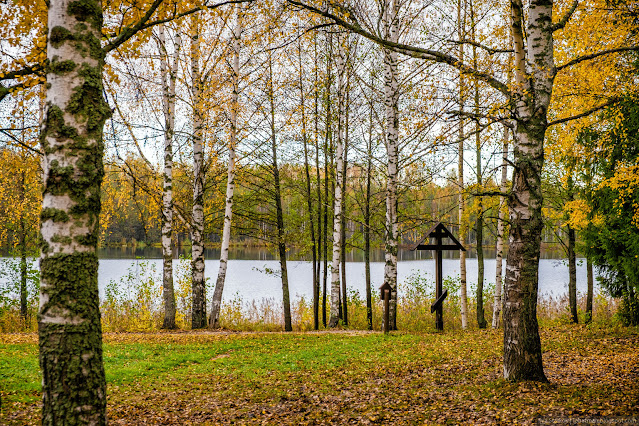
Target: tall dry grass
[135,304]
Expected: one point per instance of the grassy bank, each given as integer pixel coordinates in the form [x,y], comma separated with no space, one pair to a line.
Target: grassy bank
[134,304]
[340,377]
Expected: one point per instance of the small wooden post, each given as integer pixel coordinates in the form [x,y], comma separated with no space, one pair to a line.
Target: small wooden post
[385,291]
[386,310]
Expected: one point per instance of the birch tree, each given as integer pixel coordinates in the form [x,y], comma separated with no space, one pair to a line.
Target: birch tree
[589,291]
[168,104]
[318,188]
[70,334]
[70,337]
[339,182]
[344,125]
[230,181]
[198,307]
[499,246]
[461,35]
[327,142]
[391,99]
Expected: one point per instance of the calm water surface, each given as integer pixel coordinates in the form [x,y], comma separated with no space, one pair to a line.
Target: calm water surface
[253,273]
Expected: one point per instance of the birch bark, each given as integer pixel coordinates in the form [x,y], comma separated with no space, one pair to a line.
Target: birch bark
[168,107]
[230,179]
[309,200]
[327,143]
[318,194]
[70,334]
[534,75]
[499,256]
[344,124]
[391,98]
[461,33]
[337,208]
[22,248]
[198,308]
[367,219]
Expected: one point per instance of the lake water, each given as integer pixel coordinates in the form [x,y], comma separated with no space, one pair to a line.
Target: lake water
[253,272]
[253,278]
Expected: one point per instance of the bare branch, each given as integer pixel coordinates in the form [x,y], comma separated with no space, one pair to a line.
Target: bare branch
[415,52]
[564,20]
[586,113]
[490,194]
[129,127]
[596,55]
[131,30]
[20,143]
[478,116]
[490,50]
[298,36]
[6,91]
[143,23]
[31,69]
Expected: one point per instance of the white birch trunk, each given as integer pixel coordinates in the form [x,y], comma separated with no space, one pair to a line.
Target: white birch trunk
[391,98]
[69,329]
[500,233]
[337,212]
[198,312]
[534,75]
[230,181]
[461,16]
[168,104]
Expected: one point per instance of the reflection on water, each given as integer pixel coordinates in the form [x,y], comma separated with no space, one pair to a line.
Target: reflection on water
[247,276]
[257,279]
[263,253]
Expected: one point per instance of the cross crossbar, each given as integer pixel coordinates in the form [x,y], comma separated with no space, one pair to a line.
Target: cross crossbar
[438,232]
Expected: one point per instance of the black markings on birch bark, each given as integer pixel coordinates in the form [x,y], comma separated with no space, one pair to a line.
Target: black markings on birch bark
[391,99]
[461,34]
[497,305]
[198,307]
[70,335]
[327,144]
[522,344]
[339,182]
[214,320]
[168,104]
[318,191]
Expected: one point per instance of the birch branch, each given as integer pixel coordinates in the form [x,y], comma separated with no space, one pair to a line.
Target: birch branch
[412,51]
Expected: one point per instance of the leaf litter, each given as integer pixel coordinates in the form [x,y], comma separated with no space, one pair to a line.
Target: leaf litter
[355,378]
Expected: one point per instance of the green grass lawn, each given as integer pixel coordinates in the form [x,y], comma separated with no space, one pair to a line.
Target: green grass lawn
[340,378]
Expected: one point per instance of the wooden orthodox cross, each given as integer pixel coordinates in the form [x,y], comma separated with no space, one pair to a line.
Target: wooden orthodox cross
[438,232]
